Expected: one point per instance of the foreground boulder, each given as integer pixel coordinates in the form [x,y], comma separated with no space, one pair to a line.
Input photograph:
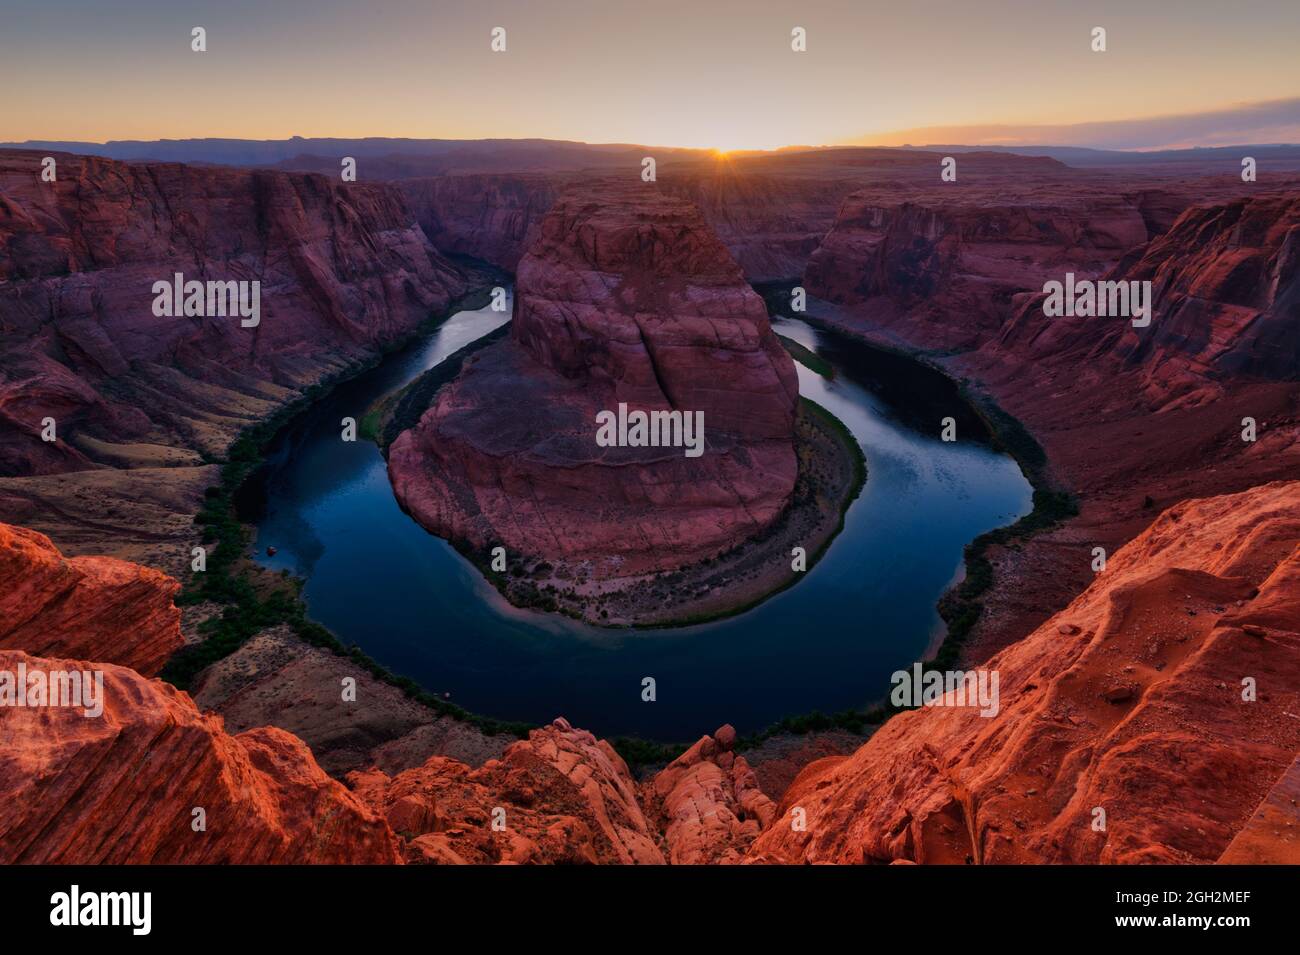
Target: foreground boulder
[708,803]
[127,785]
[560,796]
[1144,723]
[88,608]
[626,298]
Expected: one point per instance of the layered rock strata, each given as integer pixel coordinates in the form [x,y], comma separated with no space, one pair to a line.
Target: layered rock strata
[89,608]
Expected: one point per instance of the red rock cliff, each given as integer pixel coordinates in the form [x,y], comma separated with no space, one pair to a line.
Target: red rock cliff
[344,269]
[122,787]
[560,796]
[1226,286]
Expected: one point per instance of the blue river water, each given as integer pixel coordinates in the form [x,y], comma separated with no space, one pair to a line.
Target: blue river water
[867,608]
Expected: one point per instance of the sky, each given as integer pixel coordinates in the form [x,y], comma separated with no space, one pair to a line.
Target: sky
[705,73]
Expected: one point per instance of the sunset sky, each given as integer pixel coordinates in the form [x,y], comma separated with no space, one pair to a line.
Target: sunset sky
[707,73]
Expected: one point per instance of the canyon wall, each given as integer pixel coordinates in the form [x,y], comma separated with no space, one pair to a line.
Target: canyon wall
[344,270]
[771,212]
[1134,420]
[490,217]
[1226,284]
[940,265]
[123,787]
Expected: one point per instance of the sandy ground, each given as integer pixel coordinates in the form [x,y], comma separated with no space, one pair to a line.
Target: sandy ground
[277,680]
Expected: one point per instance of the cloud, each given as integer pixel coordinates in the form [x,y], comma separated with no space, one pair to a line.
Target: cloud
[1273,121]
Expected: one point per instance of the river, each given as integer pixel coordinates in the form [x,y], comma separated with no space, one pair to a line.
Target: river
[867,608]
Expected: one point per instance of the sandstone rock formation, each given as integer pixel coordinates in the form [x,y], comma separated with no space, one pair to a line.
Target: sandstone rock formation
[1130,700]
[561,796]
[945,265]
[708,803]
[122,787]
[626,297]
[88,608]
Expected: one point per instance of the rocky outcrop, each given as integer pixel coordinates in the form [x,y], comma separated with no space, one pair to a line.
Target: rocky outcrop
[560,796]
[1143,723]
[151,780]
[707,802]
[626,298]
[87,608]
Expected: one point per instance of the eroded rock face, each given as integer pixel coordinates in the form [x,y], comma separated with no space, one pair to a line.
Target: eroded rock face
[87,608]
[343,268]
[1136,419]
[708,803]
[946,266]
[560,796]
[1225,281]
[122,787]
[490,216]
[1129,701]
[949,264]
[626,298]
